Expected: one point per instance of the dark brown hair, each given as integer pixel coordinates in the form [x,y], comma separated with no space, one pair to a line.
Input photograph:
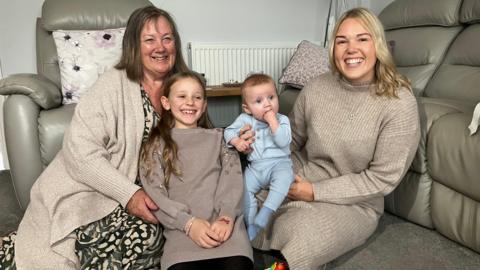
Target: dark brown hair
[130,59]
[162,133]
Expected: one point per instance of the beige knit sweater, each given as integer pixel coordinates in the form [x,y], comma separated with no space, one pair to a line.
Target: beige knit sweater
[355,147]
[92,174]
[211,185]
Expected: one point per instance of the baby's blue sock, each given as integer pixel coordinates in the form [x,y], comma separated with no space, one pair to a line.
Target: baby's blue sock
[263,216]
[252,231]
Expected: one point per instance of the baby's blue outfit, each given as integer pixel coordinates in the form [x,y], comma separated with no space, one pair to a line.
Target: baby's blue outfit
[269,162]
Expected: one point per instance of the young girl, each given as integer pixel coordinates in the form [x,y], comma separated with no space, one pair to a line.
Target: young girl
[196,181]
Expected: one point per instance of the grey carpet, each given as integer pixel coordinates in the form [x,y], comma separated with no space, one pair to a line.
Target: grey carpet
[399,245]
[396,244]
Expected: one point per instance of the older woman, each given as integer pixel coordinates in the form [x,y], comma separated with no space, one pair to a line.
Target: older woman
[87,210]
[355,132]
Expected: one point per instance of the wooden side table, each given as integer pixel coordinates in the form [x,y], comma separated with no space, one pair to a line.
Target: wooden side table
[222,91]
[224,104]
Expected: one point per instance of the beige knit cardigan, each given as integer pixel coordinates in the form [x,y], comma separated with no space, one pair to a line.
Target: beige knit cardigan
[92,174]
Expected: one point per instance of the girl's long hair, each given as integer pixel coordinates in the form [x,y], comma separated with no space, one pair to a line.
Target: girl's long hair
[387,78]
[161,135]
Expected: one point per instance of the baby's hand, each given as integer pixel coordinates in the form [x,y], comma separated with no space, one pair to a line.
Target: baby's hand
[202,234]
[223,226]
[241,145]
[271,118]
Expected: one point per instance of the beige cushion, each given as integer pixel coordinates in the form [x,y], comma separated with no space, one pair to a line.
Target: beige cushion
[308,61]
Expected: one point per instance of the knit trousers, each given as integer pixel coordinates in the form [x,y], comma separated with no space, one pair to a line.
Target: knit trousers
[310,235]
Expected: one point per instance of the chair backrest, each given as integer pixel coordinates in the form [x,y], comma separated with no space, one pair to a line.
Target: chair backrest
[420,36]
[458,77]
[76,15]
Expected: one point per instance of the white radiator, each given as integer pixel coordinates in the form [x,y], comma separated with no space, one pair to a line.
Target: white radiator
[231,62]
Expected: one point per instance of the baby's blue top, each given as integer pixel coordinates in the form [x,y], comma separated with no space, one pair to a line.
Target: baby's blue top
[266,145]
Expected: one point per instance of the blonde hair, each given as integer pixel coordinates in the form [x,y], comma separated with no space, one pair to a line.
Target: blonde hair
[162,133]
[387,78]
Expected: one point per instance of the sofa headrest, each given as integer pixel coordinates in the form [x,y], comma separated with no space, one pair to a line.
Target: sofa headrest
[470,12]
[88,14]
[408,13]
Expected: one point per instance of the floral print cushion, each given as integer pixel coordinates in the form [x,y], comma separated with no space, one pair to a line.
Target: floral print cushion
[83,55]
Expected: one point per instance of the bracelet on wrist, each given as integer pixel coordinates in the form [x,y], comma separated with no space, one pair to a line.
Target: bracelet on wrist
[188,226]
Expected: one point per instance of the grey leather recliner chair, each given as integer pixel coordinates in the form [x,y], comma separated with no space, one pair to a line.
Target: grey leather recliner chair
[35,119]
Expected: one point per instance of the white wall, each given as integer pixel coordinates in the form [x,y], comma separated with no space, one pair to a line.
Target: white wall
[207,20]
[17,35]
[248,20]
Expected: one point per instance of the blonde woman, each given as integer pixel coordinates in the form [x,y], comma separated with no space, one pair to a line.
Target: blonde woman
[354,134]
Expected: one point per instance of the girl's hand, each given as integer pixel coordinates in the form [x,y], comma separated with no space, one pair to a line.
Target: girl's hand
[141,205]
[240,144]
[248,135]
[223,226]
[301,190]
[202,234]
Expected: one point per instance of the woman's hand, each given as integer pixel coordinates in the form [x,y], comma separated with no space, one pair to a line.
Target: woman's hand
[141,205]
[202,234]
[223,227]
[301,190]
[248,135]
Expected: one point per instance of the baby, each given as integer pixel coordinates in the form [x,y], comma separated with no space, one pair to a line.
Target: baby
[269,163]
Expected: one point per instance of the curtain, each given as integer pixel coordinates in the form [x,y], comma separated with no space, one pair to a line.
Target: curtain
[337,8]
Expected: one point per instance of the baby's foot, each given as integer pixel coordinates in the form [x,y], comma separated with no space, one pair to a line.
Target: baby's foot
[252,231]
[263,217]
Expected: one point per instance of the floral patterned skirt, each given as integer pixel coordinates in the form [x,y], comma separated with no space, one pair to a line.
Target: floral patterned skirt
[118,241]
[7,252]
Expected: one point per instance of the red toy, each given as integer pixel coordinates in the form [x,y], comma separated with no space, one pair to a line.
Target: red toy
[278,266]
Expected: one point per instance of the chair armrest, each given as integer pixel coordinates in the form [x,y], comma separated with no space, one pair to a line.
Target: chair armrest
[40,89]
[23,145]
